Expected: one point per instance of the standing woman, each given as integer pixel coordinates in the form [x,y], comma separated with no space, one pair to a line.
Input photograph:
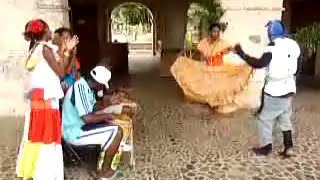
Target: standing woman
[40,154]
[72,68]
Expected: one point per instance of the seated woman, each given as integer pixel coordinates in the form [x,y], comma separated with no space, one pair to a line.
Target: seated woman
[219,82]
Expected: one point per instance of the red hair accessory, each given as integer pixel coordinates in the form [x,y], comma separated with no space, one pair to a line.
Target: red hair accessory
[35,26]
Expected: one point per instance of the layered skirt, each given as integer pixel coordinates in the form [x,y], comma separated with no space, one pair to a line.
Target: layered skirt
[40,154]
[218,86]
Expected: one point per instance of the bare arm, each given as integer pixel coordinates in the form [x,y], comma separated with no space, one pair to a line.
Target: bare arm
[52,62]
[95,118]
[72,60]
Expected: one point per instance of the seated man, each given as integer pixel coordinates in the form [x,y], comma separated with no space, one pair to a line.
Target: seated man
[82,126]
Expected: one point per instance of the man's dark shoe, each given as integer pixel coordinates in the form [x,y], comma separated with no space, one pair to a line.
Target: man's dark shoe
[264,150]
[288,144]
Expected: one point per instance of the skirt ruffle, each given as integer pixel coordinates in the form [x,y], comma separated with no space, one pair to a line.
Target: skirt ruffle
[39,161]
[45,121]
[214,85]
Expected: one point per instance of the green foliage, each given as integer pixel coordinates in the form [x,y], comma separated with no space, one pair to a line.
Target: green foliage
[308,38]
[205,12]
[132,15]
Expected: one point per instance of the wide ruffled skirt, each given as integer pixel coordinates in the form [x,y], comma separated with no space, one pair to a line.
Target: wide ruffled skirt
[214,85]
[40,154]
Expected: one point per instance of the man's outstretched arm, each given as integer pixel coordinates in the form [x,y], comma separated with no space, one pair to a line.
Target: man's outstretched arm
[261,62]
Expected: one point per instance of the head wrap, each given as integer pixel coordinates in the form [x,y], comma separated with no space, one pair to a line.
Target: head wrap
[36,26]
[276,29]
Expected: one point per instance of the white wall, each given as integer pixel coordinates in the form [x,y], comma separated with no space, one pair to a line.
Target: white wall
[247,18]
[14,14]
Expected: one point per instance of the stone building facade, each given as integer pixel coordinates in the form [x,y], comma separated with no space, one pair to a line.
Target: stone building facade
[246,20]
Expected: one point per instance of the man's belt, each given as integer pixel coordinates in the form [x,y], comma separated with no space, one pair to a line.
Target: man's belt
[282,96]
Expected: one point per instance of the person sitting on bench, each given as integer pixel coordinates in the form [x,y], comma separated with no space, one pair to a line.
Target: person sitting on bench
[82,126]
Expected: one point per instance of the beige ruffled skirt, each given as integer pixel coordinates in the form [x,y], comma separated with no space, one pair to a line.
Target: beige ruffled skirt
[217,86]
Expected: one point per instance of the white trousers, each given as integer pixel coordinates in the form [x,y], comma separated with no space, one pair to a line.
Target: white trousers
[103,136]
[274,109]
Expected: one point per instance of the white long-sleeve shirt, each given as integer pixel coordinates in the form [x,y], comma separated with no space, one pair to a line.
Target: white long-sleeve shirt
[280,78]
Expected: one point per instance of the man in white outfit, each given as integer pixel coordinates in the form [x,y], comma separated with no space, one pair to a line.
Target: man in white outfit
[82,126]
[280,60]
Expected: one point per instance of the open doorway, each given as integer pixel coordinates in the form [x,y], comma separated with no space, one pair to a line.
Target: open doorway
[84,24]
[304,15]
[200,16]
[133,23]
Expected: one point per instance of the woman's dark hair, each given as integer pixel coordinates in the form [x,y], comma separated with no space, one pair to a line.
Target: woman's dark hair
[214,25]
[61,30]
[34,37]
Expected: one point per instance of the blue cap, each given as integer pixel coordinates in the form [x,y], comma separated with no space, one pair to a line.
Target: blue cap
[276,29]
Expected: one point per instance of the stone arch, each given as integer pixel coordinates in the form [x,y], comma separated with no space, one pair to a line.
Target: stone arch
[109,8]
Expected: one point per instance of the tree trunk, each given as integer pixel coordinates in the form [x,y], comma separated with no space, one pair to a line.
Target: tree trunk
[201,29]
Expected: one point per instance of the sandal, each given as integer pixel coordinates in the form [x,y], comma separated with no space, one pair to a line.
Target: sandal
[100,176]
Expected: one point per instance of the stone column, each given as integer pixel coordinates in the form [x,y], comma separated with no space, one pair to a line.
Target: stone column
[14,14]
[286,14]
[246,22]
[102,24]
[54,12]
[173,33]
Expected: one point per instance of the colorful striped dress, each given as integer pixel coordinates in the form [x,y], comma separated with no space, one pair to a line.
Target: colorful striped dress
[40,154]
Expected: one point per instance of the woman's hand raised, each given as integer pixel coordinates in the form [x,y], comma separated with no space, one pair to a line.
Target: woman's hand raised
[71,43]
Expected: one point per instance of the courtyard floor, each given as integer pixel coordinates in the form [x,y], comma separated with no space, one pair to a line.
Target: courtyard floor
[175,140]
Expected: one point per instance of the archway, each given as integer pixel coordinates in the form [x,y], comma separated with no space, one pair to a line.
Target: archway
[200,16]
[193,31]
[133,23]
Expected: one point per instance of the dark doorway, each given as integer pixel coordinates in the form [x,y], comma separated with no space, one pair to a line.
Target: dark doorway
[304,13]
[84,24]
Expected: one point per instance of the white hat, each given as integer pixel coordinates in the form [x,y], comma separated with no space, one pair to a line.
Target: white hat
[102,75]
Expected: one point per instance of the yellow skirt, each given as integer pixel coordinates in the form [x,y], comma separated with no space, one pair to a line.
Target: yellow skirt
[214,85]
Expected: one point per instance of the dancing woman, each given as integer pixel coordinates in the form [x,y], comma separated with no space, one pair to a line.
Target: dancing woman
[216,82]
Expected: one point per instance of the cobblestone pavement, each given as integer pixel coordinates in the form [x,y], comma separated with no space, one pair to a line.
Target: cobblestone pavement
[175,140]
